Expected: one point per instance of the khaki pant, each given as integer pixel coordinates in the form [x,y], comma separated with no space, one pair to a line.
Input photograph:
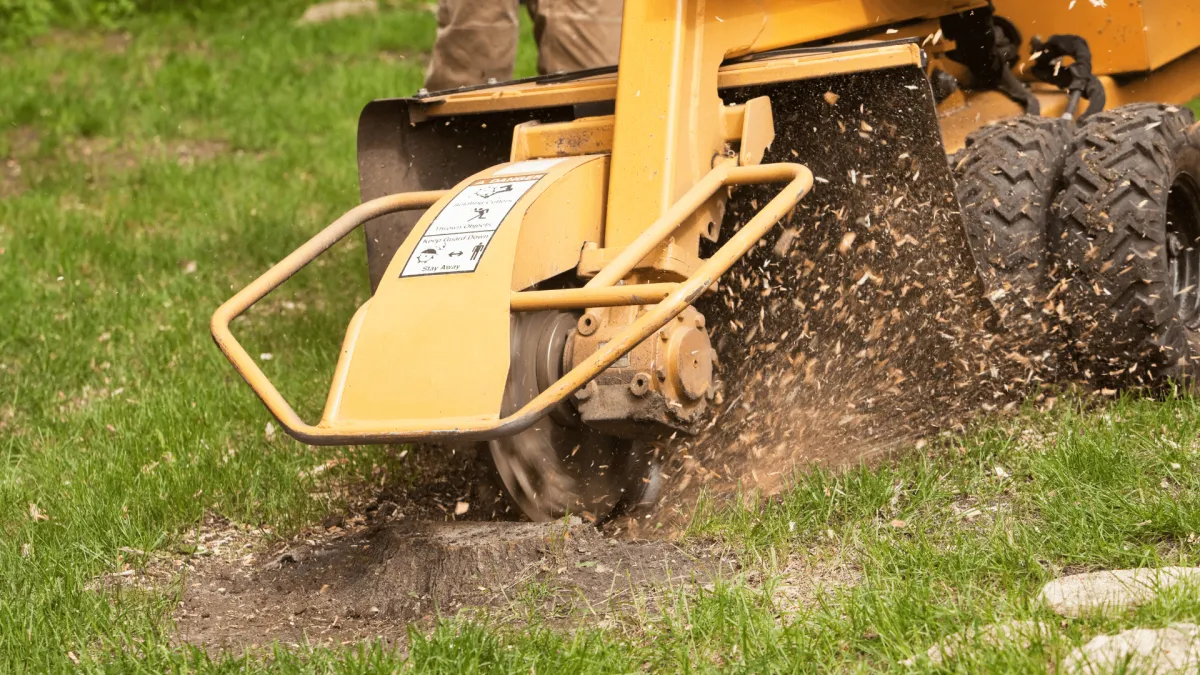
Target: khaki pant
[477,39]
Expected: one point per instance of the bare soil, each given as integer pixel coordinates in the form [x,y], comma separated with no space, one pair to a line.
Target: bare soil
[375,582]
[26,159]
[22,144]
[434,542]
[115,43]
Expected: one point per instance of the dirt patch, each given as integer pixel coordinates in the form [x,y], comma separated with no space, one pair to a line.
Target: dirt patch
[23,143]
[101,156]
[7,414]
[807,578]
[373,583]
[11,182]
[104,155]
[91,42]
[424,534]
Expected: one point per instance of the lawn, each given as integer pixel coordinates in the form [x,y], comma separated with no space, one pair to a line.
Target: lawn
[151,170]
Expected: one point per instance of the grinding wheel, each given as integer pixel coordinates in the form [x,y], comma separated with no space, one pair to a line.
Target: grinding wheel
[560,465]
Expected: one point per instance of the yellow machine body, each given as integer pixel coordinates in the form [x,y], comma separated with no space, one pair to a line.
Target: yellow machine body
[1142,50]
[1126,36]
[462,318]
[619,179]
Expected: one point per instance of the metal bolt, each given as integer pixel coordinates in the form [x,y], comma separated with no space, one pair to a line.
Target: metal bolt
[586,392]
[588,323]
[640,384]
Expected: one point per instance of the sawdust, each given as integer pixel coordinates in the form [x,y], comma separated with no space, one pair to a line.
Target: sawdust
[863,328]
[214,541]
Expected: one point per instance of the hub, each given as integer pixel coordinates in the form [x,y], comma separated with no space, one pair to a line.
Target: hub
[662,387]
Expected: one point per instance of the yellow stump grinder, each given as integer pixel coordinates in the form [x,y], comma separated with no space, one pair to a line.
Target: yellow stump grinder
[749,235]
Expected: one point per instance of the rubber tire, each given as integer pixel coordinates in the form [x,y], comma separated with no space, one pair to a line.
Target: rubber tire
[1008,175]
[1109,230]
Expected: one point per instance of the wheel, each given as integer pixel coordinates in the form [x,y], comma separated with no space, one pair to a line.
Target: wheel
[561,465]
[1007,177]
[1127,228]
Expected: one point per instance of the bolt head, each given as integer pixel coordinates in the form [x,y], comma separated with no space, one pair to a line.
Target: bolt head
[588,323]
[586,392]
[640,384]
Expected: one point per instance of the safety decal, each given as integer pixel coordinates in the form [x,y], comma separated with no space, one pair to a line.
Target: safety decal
[458,237]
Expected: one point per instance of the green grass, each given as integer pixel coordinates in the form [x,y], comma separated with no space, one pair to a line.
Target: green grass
[225,143]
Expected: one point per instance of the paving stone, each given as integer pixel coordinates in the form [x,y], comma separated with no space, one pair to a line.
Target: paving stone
[340,9]
[1142,650]
[1080,594]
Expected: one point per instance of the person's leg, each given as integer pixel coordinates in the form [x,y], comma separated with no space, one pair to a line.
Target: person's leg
[576,34]
[476,41]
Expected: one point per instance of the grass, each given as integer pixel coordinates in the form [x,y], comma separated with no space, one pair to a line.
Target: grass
[162,169]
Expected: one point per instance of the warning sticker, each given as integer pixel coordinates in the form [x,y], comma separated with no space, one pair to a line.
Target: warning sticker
[458,237]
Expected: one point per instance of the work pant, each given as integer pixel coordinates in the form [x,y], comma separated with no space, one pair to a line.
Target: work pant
[477,39]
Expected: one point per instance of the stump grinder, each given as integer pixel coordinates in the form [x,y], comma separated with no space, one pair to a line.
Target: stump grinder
[755,214]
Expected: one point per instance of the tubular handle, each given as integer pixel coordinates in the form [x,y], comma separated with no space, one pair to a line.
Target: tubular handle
[281,272]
